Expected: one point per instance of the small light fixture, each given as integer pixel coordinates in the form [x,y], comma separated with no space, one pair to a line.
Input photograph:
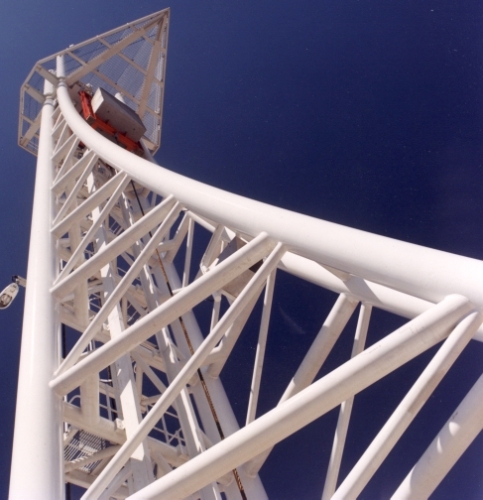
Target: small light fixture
[10,292]
[7,296]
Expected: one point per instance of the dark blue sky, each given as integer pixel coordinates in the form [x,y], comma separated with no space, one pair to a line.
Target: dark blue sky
[367,113]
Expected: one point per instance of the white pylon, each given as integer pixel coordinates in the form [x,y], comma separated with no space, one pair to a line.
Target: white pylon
[120,390]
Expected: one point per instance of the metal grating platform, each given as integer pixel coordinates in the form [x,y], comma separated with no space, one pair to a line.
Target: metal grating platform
[130,60]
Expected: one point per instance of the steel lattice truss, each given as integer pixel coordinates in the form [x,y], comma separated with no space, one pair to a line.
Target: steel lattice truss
[130,60]
[143,412]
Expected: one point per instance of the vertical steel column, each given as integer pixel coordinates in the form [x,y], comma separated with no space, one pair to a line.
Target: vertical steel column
[123,376]
[37,464]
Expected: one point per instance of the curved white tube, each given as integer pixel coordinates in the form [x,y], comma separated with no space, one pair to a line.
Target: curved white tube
[419,271]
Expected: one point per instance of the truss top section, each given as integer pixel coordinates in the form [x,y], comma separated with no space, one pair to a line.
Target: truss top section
[130,60]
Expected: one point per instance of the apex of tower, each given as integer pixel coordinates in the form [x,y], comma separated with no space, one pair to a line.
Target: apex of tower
[130,60]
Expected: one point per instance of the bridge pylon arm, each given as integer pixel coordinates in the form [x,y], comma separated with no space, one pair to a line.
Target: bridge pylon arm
[152,309]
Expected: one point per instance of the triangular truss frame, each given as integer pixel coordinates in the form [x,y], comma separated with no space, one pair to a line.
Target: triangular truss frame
[136,400]
[130,60]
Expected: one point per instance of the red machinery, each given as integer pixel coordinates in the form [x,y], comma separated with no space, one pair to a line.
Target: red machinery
[96,123]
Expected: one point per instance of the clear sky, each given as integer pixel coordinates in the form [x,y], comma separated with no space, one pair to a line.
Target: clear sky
[366,113]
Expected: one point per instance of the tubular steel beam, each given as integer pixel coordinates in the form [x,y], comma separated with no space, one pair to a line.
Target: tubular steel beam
[113,249]
[165,314]
[187,372]
[314,359]
[37,446]
[345,409]
[62,226]
[450,443]
[119,288]
[261,345]
[374,363]
[359,253]
[407,410]
[122,287]
[79,252]
[322,345]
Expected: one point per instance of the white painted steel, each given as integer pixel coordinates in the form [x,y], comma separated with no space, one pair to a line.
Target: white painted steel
[321,346]
[185,374]
[105,453]
[252,485]
[220,354]
[422,272]
[345,411]
[61,180]
[261,346]
[37,446]
[314,359]
[113,249]
[124,382]
[115,282]
[87,206]
[407,410]
[86,63]
[89,394]
[164,314]
[450,443]
[350,378]
[109,430]
[116,295]
[103,427]
[378,296]
[394,301]
[89,236]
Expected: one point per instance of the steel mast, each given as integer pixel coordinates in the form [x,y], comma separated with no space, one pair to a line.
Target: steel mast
[119,389]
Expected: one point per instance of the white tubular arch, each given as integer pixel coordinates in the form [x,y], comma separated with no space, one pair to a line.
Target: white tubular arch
[142,360]
[415,270]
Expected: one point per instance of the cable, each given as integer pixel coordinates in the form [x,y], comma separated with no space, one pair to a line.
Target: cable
[190,347]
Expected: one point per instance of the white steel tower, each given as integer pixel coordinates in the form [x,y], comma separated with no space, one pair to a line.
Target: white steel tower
[120,389]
